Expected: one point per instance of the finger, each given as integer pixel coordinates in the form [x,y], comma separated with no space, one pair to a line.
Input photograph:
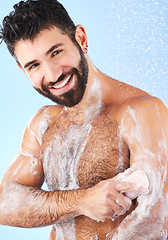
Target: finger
[122,201]
[118,209]
[113,218]
[130,190]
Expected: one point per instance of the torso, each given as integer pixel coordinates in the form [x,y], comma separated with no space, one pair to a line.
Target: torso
[79,151]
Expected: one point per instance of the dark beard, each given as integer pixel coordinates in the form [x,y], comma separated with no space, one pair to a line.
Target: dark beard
[75,95]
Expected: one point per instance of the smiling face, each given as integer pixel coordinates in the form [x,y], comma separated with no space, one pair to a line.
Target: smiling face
[55,65]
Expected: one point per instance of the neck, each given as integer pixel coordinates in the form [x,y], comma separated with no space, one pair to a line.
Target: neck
[97,89]
[93,92]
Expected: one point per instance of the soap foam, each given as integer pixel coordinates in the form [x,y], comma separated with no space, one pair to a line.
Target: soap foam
[142,223]
[62,155]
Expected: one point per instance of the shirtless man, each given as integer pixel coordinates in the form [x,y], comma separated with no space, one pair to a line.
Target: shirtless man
[102,151]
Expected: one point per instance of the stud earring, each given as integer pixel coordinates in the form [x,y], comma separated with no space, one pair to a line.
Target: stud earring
[86,49]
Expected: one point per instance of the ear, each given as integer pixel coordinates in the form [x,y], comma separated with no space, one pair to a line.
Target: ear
[81,37]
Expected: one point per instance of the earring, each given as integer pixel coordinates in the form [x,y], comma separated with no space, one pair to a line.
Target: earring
[86,49]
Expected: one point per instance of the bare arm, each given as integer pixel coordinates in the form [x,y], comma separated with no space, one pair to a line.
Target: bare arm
[144,128]
[32,207]
[22,201]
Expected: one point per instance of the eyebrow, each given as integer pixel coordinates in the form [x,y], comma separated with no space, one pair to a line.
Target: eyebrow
[47,53]
[29,63]
[54,47]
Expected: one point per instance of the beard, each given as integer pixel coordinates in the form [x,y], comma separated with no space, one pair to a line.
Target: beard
[74,95]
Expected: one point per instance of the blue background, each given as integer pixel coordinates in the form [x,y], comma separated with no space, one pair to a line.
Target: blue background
[128,40]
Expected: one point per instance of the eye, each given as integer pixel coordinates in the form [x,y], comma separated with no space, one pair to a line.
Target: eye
[33,66]
[56,53]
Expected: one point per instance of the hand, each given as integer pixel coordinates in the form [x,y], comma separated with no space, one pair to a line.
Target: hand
[105,200]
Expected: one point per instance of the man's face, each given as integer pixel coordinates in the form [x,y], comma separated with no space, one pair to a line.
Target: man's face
[55,65]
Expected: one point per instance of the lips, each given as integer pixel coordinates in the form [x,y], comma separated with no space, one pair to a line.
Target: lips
[63,83]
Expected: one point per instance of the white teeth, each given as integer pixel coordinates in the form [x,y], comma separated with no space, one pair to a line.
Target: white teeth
[62,84]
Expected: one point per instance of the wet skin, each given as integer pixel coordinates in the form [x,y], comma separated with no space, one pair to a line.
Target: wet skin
[99,161]
[115,126]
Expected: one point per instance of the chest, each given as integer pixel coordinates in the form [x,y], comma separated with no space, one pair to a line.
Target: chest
[80,154]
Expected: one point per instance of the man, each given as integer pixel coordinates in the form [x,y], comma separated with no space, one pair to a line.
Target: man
[102,150]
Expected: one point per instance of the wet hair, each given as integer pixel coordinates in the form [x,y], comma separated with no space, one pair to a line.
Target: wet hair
[32,16]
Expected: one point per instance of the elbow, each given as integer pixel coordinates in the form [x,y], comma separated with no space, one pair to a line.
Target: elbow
[8,205]
[4,211]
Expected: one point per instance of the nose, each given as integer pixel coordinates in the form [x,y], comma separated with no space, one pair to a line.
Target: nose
[51,73]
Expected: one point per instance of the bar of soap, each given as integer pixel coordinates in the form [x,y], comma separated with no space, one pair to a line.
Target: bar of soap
[139,178]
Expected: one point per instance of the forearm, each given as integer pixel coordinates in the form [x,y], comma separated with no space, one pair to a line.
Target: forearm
[29,207]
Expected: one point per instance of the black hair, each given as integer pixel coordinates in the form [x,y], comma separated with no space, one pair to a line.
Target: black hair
[30,17]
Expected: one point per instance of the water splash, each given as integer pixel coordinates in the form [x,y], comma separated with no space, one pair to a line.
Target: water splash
[139,43]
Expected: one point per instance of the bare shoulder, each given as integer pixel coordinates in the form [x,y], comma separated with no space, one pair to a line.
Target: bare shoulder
[145,107]
[46,112]
[41,120]
[143,126]
[146,102]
